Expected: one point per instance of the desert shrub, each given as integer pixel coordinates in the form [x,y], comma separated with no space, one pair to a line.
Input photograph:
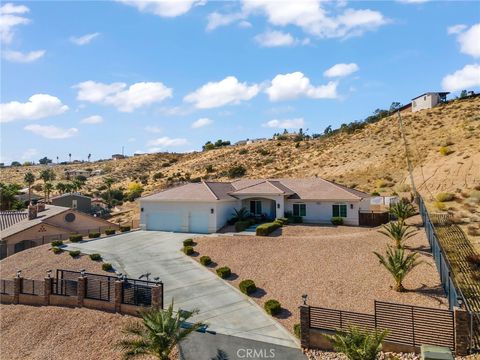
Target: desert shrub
[243,151]
[237,171]
[473,260]
[125,228]
[75,238]
[242,225]
[272,307]
[57,250]
[375,193]
[267,228]
[472,231]
[57,243]
[158,176]
[94,235]
[282,221]
[247,286]
[404,188]
[209,169]
[442,197]
[74,253]
[188,242]
[444,150]
[95,257]
[264,152]
[224,272]
[110,231]
[205,260]
[297,330]
[440,205]
[188,250]
[107,267]
[336,220]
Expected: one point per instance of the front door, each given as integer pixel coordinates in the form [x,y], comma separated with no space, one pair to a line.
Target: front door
[256,207]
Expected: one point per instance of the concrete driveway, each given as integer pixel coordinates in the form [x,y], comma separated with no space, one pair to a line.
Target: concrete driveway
[225,309]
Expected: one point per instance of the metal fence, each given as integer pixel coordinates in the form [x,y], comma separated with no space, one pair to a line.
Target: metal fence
[32,287]
[137,292]
[6,287]
[99,287]
[64,287]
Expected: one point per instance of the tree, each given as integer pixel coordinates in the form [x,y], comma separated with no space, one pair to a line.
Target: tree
[48,189]
[395,106]
[463,94]
[7,195]
[402,210]
[69,157]
[29,179]
[61,187]
[398,264]
[397,232]
[57,159]
[89,156]
[76,184]
[45,161]
[135,190]
[15,163]
[46,175]
[108,183]
[328,130]
[158,334]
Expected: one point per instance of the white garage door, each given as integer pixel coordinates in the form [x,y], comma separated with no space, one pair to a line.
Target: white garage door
[199,222]
[164,221]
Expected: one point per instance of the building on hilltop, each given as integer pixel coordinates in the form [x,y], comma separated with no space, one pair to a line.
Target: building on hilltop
[428,100]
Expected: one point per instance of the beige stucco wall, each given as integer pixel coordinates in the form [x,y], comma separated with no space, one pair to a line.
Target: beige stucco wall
[425,102]
[81,223]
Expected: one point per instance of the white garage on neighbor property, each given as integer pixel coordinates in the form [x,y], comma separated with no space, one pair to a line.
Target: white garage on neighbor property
[205,207]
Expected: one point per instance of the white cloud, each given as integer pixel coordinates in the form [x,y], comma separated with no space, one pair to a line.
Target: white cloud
[226,91]
[201,123]
[38,106]
[456,29]
[341,70]
[84,39]
[465,78]
[165,141]
[275,39]
[217,19]
[164,8]
[94,119]
[244,24]
[413,1]
[285,124]
[153,129]
[18,56]
[10,18]
[29,154]
[470,41]
[123,98]
[51,132]
[294,85]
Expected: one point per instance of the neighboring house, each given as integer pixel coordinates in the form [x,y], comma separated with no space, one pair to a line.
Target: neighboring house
[42,224]
[252,141]
[73,201]
[428,100]
[241,142]
[118,156]
[96,172]
[72,174]
[24,197]
[205,207]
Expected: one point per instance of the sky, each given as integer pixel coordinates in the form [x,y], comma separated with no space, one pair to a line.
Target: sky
[91,77]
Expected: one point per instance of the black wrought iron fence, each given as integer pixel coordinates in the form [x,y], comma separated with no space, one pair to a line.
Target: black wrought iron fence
[6,287]
[137,292]
[32,287]
[99,287]
[65,287]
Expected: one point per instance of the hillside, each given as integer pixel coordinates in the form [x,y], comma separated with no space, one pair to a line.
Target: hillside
[370,159]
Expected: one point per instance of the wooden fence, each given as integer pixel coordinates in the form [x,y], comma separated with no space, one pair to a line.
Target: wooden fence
[373,218]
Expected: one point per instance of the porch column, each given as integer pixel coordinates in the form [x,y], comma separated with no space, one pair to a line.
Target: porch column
[280,207]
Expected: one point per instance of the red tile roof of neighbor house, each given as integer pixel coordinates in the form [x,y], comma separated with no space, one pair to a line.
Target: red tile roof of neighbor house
[306,189]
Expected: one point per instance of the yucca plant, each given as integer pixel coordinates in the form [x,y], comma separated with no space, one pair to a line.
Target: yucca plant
[357,343]
[399,264]
[397,232]
[158,334]
[402,210]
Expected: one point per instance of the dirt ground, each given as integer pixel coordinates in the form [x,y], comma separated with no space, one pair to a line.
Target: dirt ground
[335,266]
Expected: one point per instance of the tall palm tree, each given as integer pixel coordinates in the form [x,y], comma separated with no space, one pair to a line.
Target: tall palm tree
[89,156]
[77,184]
[402,210]
[158,334]
[108,183]
[57,159]
[69,157]
[48,189]
[60,187]
[29,179]
[397,232]
[399,264]
[47,175]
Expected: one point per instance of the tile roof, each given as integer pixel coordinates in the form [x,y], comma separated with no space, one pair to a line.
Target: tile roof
[264,187]
[9,218]
[201,191]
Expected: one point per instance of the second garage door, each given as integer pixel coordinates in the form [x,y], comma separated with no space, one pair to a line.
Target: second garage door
[199,222]
[164,221]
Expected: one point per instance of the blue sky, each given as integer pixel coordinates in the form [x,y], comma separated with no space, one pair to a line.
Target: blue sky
[91,77]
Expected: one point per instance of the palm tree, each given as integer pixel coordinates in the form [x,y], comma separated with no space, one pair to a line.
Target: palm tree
[240,215]
[57,159]
[402,210]
[158,334]
[48,189]
[77,184]
[89,156]
[29,179]
[397,232]
[61,187]
[69,187]
[46,175]
[398,264]
[108,183]
[69,157]
[7,195]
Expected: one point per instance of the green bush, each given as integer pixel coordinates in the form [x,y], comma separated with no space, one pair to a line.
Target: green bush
[283,220]
[57,243]
[442,197]
[110,231]
[272,307]
[188,250]
[57,250]
[94,235]
[96,257]
[74,253]
[297,330]
[336,220]
[247,286]
[107,267]
[205,260]
[125,228]
[237,171]
[242,225]
[188,242]
[375,193]
[224,272]
[76,238]
[267,228]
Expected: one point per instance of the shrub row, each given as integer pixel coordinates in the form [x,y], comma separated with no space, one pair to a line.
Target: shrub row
[188,250]
[247,286]
[272,307]
[74,253]
[337,220]
[76,238]
[242,225]
[205,260]
[57,250]
[107,267]
[96,257]
[57,243]
[94,235]
[125,228]
[188,242]
[224,272]
[267,228]
[110,231]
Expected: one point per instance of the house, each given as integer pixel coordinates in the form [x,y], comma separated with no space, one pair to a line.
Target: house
[96,172]
[42,224]
[73,201]
[23,196]
[428,100]
[118,156]
[72,174]
[205,207]
[252,141]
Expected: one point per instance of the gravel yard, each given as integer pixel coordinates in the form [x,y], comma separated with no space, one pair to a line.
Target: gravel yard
[335,266]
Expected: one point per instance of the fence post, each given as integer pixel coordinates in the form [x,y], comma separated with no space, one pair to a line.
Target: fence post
[305,326]
[118,295]
[156,296]
[47,291]
[462,331]
[17,288]
[82,285]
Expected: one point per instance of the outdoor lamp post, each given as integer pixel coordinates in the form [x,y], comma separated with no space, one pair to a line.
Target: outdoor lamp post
[19,273]
[82,272]
[157,280]
[49,274]
[460,302]
[304,297]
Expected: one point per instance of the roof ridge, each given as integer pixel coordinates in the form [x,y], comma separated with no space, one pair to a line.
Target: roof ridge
[209,189]
[276,187]
[249,186]
[341,187]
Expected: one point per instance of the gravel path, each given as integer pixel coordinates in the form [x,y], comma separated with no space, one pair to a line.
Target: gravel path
[335,266]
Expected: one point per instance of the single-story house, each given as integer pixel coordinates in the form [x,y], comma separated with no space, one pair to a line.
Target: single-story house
[42,224]
[205,207]
[428,100]
[72,174]
[74,201]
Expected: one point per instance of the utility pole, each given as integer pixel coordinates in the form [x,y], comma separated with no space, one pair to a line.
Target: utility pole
[409,163]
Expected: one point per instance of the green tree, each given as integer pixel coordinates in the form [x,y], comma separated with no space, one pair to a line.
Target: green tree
[44,161]
[463,94]
[46,175]
[15,163]
[397,232]
[29,179]
[77,184]
[7,195]
[48,188]
[135,190]
[158,334]
[61,187]
[402,210]
[399,264]
[108,183]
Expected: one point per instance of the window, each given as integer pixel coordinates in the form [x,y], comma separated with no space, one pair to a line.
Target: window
[339,210]
[74,204]
[256,207]
[299,210]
